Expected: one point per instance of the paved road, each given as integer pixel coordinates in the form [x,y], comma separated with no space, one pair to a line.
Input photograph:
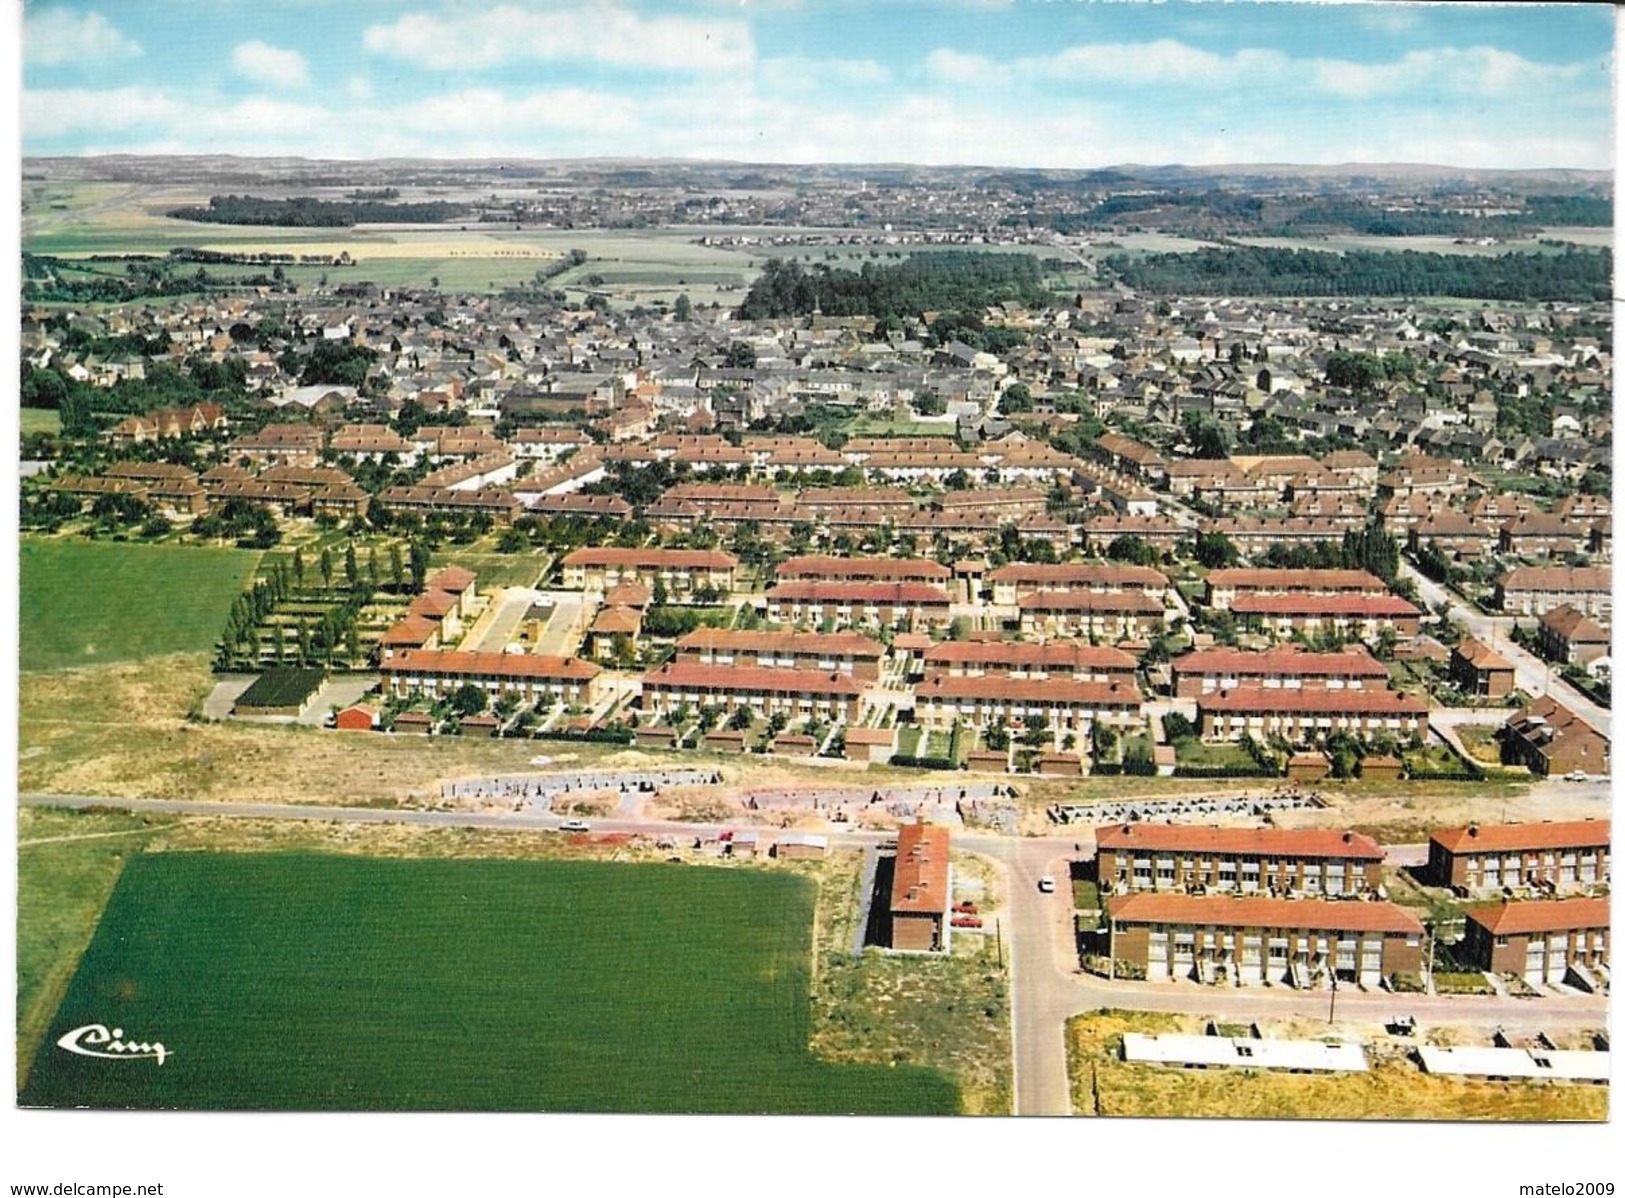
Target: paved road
[1534,676]
[562,636]
[1038,941]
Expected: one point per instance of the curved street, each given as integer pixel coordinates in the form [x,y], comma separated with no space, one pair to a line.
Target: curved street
[1535,677]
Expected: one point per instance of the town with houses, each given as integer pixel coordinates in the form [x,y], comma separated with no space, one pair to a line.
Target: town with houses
[1245,554]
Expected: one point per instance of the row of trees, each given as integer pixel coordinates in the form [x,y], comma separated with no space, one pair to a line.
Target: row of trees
[947,280]
[1574,275]
[1225,210]
[309,212]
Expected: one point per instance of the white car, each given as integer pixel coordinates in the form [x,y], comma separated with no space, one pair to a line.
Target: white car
[1046,885]
[575,825]
[1576,775]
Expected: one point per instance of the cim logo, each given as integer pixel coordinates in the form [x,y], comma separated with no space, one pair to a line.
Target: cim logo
[94,1040]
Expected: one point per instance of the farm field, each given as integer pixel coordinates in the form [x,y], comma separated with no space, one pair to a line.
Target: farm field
[67,864]
[1393,1088]
[73,219]
[459,985]
[89,603]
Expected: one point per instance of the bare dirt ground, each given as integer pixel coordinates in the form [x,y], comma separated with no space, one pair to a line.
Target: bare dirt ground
[136,730]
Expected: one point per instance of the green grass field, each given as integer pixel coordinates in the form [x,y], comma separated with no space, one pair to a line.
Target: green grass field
[290,981]
[39,420]
[85,603]
[67,862]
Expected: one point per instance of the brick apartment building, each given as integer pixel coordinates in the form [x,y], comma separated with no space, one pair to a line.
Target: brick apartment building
[1551,740]
[921,889]
[1311,861]
[1010,582]
[908,606]
[1480,671]
[1288,667]
[1538,941]
[796,694]
[1308,716]
[863,569]
[1061,705]
[1224,586]
[530,677]
[1550,856]
[1077,660]
[830,653]
[1363,616]
[1250,940]
[1109,616]
[680,571]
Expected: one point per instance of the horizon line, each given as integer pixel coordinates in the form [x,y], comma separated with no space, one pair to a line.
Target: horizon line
[890,164]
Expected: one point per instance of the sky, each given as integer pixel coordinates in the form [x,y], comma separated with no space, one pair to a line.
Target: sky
[1042,83]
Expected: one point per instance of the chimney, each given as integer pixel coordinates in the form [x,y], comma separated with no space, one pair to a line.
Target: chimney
[1472,829]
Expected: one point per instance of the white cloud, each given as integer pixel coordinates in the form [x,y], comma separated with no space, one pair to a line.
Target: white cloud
[56,36]
[795,73]
[604,34]
[1387,18]
[269,65]
[1466,71]
[1476,69]
[965,70]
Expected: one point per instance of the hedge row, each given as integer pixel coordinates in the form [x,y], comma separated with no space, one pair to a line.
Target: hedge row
[1224,771]
[604,736]
[908,761]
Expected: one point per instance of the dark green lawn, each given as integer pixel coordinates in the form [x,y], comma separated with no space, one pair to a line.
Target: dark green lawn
[311,982]
[87,603]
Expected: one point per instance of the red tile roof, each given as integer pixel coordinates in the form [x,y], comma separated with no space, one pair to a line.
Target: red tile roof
[684,674]
[1558,578]
[453,579]
[843,568]
[654,559]
[895,593]
[1044,575]
[920,885]
[1278,699]
[1307,914]
[1299,580]
[836,644]
[1496,838]
[1286,660]
[1270,842]
[616,619]
[1341,604]
[1089,601]
[1073,655]
[1031,690]
[412,632]
[1480,656]
[1541,915]
[491,665]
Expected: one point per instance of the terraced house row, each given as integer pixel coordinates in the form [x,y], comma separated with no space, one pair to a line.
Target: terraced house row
[1238,906]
